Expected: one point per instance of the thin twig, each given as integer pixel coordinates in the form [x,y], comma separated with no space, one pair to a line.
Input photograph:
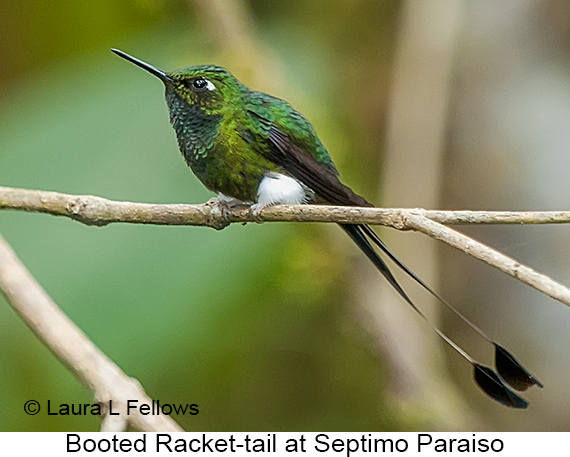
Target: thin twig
[99,211]
[70,345]
[91,210]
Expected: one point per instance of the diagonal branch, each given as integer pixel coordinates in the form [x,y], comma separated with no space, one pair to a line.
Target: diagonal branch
[99,211]
[72,347]
[482,252]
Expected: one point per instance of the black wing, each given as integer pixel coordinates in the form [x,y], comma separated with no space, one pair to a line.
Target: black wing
[322,180]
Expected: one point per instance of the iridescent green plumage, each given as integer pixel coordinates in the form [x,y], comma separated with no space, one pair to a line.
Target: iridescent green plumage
[256,148]
[224,133]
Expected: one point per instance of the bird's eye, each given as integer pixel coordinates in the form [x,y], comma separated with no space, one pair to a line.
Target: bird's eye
[199,84]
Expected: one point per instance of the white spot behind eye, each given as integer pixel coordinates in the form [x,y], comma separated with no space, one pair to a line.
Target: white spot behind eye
[210,85]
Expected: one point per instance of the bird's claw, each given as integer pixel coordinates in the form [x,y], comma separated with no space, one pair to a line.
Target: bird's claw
[225,211]
[226,207]
[256,212]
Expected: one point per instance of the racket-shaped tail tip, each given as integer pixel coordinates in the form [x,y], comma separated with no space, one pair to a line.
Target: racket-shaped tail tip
[514,374]
[493,385]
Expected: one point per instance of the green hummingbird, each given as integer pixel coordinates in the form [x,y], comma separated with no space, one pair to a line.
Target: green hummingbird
[253,148]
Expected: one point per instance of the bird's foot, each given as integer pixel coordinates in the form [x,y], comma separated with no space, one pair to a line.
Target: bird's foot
[256,209]
[228,204]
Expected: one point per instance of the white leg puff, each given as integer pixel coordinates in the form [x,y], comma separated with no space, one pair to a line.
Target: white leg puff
[279,189]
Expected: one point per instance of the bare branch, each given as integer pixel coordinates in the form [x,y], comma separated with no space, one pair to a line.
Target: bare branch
[99,211]
[482,252]
[91,366]
[114,424]
[91,210]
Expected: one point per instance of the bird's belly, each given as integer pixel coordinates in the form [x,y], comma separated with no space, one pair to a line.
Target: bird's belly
[232,175]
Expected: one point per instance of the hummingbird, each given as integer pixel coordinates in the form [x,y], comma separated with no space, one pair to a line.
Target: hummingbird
[252,148]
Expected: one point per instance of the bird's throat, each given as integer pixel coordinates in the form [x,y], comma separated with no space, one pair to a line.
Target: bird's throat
[195,129]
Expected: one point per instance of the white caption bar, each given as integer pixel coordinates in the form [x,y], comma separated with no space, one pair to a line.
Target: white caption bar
[283,444]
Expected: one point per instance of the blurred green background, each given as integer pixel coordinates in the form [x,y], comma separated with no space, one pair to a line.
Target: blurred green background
[438,103]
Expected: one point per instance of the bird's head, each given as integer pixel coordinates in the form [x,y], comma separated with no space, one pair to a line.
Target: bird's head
[208,87]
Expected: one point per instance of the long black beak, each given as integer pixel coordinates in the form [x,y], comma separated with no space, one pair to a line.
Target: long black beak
[163,76]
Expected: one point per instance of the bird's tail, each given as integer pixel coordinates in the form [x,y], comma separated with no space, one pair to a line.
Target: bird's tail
[509,372]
